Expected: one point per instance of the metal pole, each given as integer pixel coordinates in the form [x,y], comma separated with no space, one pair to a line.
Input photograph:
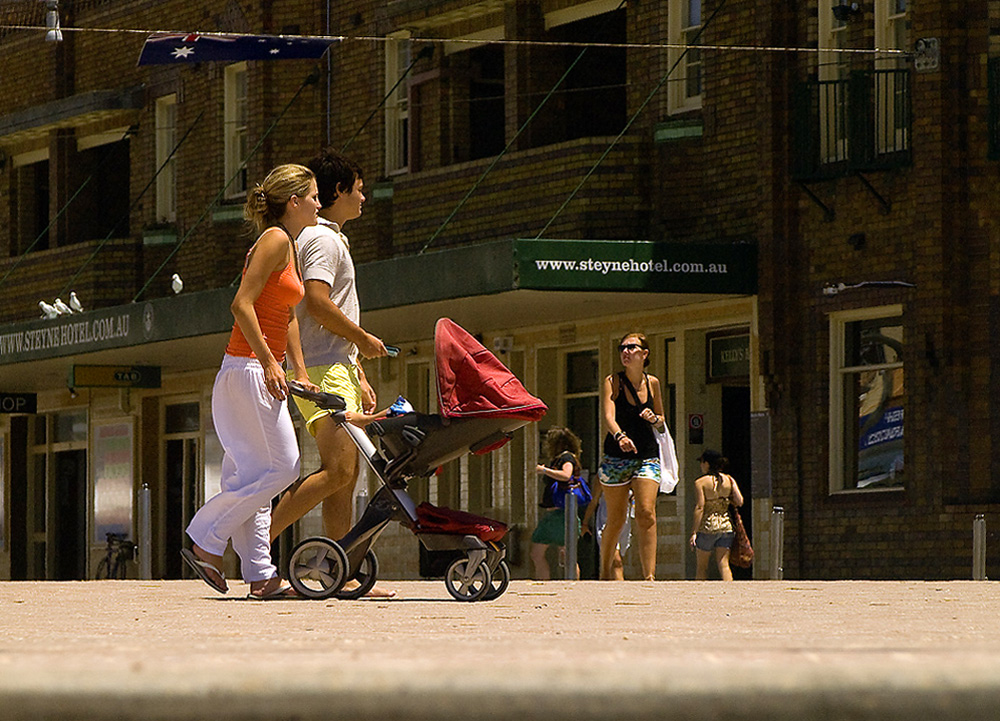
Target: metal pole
[145,534]
[777,543]
[979,548]
[571,536]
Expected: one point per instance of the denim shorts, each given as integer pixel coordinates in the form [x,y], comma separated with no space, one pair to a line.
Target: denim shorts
[621,471]
[708,541]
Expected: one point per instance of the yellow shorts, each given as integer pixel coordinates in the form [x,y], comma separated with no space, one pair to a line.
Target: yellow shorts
[338,378]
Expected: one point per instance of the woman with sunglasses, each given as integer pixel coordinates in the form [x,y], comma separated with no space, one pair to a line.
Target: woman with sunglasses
[632,406]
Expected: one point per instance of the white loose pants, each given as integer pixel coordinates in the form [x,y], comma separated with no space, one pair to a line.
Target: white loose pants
[261,460]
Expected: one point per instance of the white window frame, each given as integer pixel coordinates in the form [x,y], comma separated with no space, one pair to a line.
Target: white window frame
[235,119]
[839,321]
[833,68]
[679,29]
[397,109]
[166,139]
[891,33]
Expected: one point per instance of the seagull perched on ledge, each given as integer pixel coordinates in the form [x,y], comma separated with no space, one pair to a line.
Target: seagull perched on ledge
[62,308]
[48,312]
[176,283]
[74,302]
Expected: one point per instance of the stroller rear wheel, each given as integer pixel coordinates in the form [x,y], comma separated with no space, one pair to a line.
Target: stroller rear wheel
[365,575]
[317,568]
[499,580]
[465,586]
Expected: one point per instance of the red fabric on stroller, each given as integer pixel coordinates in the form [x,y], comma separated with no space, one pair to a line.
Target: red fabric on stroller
[434,519]
[472,382]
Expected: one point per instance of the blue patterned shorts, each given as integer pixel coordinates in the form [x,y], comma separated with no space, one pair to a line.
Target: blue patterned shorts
[621,471]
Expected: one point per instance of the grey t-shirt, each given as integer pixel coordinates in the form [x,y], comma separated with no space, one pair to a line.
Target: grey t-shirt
[326,256]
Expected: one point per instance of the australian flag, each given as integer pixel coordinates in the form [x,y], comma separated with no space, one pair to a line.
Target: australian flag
[164,49]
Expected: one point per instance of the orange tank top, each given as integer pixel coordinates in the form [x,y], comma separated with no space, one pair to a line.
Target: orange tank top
[282,291]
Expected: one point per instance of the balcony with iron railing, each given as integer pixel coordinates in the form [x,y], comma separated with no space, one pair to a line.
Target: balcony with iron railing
[860,123]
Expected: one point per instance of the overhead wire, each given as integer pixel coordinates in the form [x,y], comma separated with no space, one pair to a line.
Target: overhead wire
[310,79]
[423,54]
[480,42]
[45,231]
[635,115]
[313,77]
[132,205]
[503,152]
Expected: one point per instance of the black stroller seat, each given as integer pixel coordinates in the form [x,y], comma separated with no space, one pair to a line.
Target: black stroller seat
[415,444]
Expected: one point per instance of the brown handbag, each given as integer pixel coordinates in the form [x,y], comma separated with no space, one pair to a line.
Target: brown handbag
[740,553]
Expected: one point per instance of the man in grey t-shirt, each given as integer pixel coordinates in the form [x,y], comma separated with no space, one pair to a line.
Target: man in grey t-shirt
[332,340]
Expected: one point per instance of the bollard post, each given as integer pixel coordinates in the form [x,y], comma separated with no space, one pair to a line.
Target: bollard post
[145,534]
[571,536]
[979,548]
[777,543]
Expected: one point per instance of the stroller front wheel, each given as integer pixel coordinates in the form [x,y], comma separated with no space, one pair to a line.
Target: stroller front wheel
[465,586]
[365,576]
[317,568]
[499,580]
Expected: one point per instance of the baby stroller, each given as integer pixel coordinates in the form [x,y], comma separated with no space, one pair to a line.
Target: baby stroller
[482,403]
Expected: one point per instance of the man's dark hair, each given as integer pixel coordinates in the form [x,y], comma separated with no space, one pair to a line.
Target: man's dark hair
[335,174]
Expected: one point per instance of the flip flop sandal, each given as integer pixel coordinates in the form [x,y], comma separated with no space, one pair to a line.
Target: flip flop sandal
[283,591]
[202,567]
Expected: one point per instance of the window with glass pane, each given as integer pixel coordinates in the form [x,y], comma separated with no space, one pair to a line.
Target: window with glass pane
[182,417]
[873,393]
[166,163]
[892,31]
[70,427]
[683,26]
[833,71]
[235,131]
[397,113]
[692,25]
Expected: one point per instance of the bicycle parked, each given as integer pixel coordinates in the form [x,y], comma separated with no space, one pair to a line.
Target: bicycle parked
[120,551]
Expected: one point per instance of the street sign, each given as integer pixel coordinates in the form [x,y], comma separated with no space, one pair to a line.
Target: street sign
[89,376]
[696,428]
[18,403]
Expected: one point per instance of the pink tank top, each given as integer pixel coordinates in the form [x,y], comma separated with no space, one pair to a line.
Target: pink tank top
[282,292]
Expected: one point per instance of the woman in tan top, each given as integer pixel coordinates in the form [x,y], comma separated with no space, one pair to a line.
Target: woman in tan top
[713,531]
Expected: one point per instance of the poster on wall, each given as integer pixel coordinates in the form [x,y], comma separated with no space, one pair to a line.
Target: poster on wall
[112,480]
[3,509]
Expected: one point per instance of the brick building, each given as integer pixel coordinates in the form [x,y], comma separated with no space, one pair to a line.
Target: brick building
[782,224]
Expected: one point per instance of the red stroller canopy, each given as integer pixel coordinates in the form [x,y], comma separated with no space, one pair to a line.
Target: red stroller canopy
[472,382]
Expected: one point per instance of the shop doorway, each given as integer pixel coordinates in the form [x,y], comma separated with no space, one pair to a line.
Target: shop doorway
[736,447]
[68,517]
[182,462]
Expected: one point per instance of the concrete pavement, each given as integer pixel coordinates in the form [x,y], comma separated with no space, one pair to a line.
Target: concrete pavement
[553,650]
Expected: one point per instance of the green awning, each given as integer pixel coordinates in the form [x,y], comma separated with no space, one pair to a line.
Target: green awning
[548,264]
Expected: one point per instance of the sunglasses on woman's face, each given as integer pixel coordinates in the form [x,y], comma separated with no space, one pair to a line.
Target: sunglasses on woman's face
[629,346]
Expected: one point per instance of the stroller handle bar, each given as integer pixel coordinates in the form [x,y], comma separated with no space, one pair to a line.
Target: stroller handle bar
[326,401]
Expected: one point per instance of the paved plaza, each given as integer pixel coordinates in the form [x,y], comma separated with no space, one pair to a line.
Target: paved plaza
[551,650]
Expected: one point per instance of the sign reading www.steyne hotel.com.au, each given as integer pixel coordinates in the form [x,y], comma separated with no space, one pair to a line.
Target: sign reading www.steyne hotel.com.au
[68,335]
[644,266]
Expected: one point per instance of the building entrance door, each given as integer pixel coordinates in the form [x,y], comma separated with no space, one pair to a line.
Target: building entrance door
[736,447]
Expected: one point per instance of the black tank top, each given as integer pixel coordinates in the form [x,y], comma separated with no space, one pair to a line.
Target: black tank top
[627,417]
